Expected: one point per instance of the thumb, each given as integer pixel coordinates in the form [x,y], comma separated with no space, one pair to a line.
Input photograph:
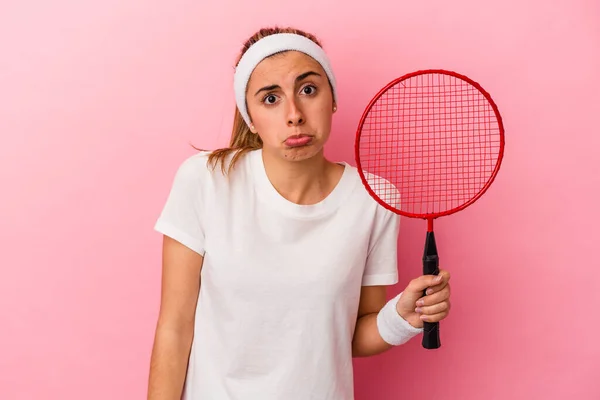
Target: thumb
[413,292]
[418,285]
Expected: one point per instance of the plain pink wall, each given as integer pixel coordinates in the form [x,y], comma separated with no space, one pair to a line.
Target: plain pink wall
[99,102]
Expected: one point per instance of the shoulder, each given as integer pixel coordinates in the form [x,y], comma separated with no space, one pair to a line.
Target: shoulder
[382,189]
[374,190]
[206,173]
[194,166]
[204,165]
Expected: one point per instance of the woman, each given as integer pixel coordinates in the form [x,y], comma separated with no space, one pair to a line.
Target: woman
[275,259]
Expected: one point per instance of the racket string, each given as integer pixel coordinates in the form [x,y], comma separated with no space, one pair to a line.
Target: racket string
[429,143]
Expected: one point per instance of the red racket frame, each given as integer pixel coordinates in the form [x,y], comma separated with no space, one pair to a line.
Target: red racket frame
[430,255]
[430,216]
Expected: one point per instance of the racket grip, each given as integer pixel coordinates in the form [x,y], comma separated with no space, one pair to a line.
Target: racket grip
[431,335]
[431,330]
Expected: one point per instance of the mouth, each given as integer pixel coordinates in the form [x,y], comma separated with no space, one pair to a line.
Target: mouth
[298,140]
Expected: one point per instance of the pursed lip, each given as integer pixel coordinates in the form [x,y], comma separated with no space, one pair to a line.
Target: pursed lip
[298,136]
[298,140]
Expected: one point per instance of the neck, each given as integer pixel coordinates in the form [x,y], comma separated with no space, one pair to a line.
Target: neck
[302,182]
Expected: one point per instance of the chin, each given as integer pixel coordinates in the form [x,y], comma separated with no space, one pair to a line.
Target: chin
[302,153]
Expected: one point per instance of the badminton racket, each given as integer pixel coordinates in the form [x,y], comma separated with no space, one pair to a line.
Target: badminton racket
[428,145]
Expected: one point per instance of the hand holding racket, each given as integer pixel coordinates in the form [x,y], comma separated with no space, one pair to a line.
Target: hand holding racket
[435,306]
[429,144]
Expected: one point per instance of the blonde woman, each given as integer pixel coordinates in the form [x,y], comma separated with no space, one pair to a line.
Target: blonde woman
[276,259]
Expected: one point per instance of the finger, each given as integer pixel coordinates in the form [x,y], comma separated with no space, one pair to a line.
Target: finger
[424,281]
[445,276]
[434,298]
[437,287]
[435,317]
[434,309]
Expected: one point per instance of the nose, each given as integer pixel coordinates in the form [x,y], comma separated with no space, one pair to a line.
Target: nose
[295,116]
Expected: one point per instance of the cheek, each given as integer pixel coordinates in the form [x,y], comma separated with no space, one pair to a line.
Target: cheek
[323,116]
[322,109]
[262,118]
[266,125]
[254,112]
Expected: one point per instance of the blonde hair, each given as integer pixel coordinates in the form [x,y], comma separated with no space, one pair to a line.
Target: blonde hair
[242,139]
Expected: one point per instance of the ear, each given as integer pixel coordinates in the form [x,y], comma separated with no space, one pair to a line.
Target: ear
[252,128]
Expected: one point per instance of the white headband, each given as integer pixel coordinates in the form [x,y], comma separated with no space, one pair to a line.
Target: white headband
[268,46]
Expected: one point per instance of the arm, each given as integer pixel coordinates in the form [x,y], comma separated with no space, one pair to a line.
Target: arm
[175,327]
[368,342]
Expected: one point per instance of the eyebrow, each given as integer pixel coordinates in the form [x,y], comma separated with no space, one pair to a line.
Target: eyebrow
[298,79]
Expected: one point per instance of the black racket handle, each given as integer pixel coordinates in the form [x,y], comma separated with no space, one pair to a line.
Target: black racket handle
[431,263]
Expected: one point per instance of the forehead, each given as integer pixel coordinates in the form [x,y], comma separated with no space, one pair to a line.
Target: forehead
[283,65]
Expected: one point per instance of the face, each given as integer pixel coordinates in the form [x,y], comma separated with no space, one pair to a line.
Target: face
[290,104]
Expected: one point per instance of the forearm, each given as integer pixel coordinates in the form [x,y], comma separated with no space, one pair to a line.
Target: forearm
[168,363]
[367,341]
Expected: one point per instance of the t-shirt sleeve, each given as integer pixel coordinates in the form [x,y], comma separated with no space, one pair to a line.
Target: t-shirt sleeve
[182,216]
[382,259]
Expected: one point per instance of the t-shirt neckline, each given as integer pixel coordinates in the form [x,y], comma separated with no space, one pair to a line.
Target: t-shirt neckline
[267,191]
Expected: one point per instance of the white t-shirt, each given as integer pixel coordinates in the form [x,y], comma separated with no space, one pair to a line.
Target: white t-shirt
[280,282]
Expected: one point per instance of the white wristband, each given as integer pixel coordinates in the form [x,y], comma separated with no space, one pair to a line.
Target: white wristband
[394,329]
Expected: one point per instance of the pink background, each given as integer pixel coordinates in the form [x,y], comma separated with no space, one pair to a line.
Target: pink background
[99,102]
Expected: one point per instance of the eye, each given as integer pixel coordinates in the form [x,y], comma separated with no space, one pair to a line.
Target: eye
[309,89]
[270,99]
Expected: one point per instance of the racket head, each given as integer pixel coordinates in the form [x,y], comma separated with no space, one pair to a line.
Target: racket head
[429,144]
